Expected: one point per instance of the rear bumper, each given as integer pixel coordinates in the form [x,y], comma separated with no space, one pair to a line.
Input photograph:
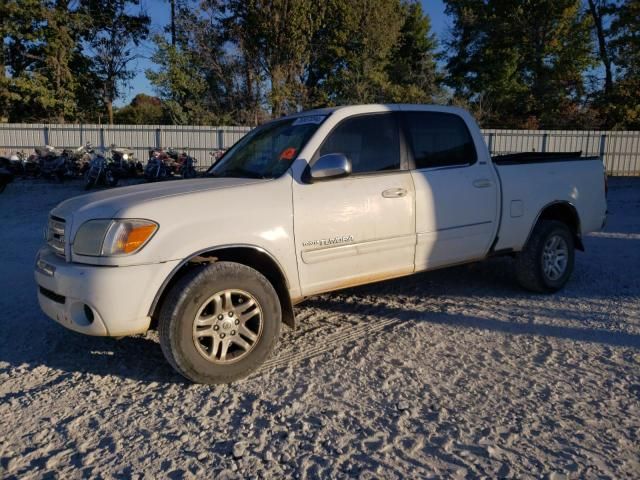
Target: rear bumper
[96,300]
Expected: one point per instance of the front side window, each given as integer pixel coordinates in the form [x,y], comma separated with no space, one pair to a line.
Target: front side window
[439,139]
[267,151]
[369,141]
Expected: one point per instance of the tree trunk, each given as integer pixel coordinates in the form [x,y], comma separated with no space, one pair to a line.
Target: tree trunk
[596,14]
[173,22]
[109,103]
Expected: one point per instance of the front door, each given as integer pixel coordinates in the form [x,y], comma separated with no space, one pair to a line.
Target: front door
[361,228]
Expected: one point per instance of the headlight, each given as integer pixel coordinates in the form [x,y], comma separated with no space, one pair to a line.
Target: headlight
[113,237]
[125,156]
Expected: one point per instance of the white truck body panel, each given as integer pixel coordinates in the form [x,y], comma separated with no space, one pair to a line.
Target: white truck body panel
[322,236]
[380,230]
[527,189]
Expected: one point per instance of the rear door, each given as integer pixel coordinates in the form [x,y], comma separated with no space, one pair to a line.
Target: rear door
[360,228]
[457,196]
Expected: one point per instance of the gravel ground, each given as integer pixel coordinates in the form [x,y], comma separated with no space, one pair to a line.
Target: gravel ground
[455,373]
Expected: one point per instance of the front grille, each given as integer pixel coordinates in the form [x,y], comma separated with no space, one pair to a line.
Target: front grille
[55,234]
[53,295]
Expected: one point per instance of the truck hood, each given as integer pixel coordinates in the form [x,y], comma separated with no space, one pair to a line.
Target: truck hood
[107,203]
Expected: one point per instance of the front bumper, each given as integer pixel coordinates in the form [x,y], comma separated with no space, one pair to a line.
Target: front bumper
[97,300]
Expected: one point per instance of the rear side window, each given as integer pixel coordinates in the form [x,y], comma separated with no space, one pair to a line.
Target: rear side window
[439,139]
[369,141]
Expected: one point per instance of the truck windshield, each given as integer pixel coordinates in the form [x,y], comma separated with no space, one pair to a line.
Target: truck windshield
[267,151]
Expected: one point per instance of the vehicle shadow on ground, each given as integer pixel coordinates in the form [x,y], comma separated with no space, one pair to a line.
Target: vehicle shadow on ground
[489,286]
[606,337]
[138,358]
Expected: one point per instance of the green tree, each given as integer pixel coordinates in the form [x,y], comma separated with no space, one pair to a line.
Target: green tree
[195,77]
[42,45]
[364,51]
[254,58]
[624,101]
[143,110]
[354,48]
[113,40]
[523,61]
[273,36]
[412,67]
[180,84]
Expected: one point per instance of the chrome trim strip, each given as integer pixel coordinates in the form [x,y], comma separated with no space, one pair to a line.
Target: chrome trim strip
[56,235]
[462,226]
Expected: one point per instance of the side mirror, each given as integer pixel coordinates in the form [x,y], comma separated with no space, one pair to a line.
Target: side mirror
[331,165]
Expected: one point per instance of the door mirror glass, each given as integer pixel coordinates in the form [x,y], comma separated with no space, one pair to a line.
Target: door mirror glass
[331,165]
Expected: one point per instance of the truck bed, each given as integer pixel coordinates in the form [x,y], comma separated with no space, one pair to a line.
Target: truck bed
[532,181]
[538,157]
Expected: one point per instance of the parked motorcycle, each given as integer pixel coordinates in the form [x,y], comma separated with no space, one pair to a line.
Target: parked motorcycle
[30,165]
[6,175]
[184,166]
[156,167]
[101,172]
[52,163]
[14,163]
[164,164]
[78,160]
[125,161]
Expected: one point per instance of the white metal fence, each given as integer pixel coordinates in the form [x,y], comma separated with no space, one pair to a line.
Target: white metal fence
[620,150]
[198,141]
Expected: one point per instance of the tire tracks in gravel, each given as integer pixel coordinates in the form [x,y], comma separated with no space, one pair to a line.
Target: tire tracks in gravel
[365,324]
[331,342]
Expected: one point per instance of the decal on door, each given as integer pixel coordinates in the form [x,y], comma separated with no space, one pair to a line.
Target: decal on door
[326,242]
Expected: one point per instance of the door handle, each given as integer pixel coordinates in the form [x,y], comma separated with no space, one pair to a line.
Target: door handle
[394,193]
[482,183]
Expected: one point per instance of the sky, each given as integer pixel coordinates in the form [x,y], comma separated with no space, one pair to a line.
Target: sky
[158,10]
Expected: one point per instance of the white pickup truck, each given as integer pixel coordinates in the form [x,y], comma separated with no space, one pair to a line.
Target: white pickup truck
[310,203]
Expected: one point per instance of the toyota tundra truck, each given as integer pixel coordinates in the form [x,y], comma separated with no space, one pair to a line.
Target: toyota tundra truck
[306,204]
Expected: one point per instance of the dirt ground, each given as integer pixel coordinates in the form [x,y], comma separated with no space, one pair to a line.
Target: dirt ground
[455,373]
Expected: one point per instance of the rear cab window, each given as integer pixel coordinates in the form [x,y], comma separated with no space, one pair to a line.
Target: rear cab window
[438,140]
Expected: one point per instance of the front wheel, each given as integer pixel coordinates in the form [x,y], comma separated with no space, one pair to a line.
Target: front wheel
[89,180]
[110,178]
[219,323]
[546,262]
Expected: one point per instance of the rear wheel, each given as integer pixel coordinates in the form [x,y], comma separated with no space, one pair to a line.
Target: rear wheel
[219,323]
[546,262]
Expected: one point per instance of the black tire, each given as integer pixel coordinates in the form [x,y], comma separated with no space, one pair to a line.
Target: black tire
[89,180]
[530,270]
[110,178]
[180,308]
